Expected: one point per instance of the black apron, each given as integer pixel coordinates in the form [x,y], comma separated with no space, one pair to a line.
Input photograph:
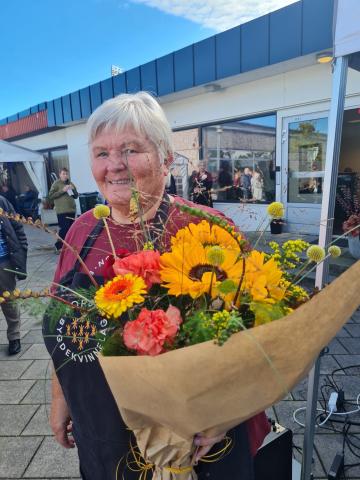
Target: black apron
[100,434]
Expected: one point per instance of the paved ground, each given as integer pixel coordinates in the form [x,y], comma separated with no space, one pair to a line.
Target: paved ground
[27,449]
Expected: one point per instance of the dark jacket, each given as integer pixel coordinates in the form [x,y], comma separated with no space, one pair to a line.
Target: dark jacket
[10,195]
[16,240]
[171,189]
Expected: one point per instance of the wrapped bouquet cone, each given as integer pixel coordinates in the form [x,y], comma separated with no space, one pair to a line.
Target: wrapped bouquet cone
[169,398]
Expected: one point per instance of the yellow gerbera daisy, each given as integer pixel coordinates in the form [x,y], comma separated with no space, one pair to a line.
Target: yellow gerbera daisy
[261,276]
[186,270]
[120,294]
[206,235]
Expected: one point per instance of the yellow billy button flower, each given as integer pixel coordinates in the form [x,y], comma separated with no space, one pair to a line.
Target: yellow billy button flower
[6,294]
[334,251]
[2,299]
[16,292]
[315,253]
[276,210]
[216,256]
[101,211]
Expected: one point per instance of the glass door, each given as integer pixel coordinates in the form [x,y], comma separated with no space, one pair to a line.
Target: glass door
[304,141]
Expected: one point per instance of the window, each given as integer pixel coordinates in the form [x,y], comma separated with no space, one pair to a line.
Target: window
[186,158]
[56,159]
[240,155]
[307,154]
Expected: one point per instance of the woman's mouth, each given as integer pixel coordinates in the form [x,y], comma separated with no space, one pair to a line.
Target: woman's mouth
[120,181]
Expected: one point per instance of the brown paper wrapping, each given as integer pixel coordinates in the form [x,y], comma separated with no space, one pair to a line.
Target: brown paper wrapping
[205,388]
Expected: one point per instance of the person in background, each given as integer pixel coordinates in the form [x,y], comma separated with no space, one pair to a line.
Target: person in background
[170,185]
[257,185]
[225,181]
[191,183]
[245,183]
[63,194]
[28,201]
[201,186]
[9,193]
[13,254]
[237,192]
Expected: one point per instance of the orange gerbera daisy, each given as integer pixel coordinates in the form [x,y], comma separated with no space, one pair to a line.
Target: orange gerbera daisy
[120,294]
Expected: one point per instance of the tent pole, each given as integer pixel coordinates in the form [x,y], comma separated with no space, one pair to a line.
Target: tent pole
[325,235]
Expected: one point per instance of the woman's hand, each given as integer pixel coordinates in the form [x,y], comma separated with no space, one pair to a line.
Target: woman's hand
[204,445]
[60,420]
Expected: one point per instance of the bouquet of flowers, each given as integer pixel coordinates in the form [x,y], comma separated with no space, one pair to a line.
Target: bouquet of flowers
[192,344]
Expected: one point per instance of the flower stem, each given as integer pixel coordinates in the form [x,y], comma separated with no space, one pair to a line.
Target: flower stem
[344,234]
[81,261]
[109,236]
[261,235]
[311,269]
[241,281]
[39,224]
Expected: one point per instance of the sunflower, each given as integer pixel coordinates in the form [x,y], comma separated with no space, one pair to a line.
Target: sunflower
[206,235]
[186,270]
[120,294]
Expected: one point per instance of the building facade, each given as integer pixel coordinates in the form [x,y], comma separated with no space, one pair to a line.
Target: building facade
[252,100]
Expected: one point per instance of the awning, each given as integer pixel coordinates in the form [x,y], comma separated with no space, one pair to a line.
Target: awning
[32,161]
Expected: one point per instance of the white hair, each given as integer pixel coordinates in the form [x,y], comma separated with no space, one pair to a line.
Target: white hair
[138,111]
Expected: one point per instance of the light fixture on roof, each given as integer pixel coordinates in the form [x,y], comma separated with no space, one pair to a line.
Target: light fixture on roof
[116,70]
[324,57]
[213,87]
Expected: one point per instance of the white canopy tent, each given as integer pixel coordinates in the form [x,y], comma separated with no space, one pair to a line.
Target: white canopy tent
[346,52]
[33,162]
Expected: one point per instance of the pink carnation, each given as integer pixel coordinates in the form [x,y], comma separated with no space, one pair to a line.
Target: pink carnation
[145,264]
[152,330]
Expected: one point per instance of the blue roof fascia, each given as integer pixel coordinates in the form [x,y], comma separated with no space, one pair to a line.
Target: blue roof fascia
[299,29]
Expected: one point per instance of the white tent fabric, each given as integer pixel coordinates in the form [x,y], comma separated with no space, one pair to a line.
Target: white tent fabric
[347,27]
[32,161]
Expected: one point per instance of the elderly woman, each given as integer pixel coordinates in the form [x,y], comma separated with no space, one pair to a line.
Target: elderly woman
[130,147]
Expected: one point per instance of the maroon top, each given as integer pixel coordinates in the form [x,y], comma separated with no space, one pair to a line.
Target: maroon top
[131,237]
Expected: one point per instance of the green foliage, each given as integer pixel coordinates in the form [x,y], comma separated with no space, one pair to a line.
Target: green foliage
[114,345]
[88,293]
[196,330]
[55,311]
[227,286]
[266,312]
[34,307]
[203,326]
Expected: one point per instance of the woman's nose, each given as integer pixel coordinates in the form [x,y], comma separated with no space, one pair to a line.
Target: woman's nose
[117,160]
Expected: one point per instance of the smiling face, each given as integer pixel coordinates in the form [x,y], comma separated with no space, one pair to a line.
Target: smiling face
[124,160]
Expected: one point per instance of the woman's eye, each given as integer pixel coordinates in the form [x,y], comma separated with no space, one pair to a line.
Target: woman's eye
[129,151]
[101,155]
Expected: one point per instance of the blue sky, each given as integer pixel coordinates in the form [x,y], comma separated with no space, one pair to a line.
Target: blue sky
[50,48]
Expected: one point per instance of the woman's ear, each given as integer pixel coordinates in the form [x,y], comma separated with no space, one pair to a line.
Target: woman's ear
[167,162]
[169,159]
[165,168]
